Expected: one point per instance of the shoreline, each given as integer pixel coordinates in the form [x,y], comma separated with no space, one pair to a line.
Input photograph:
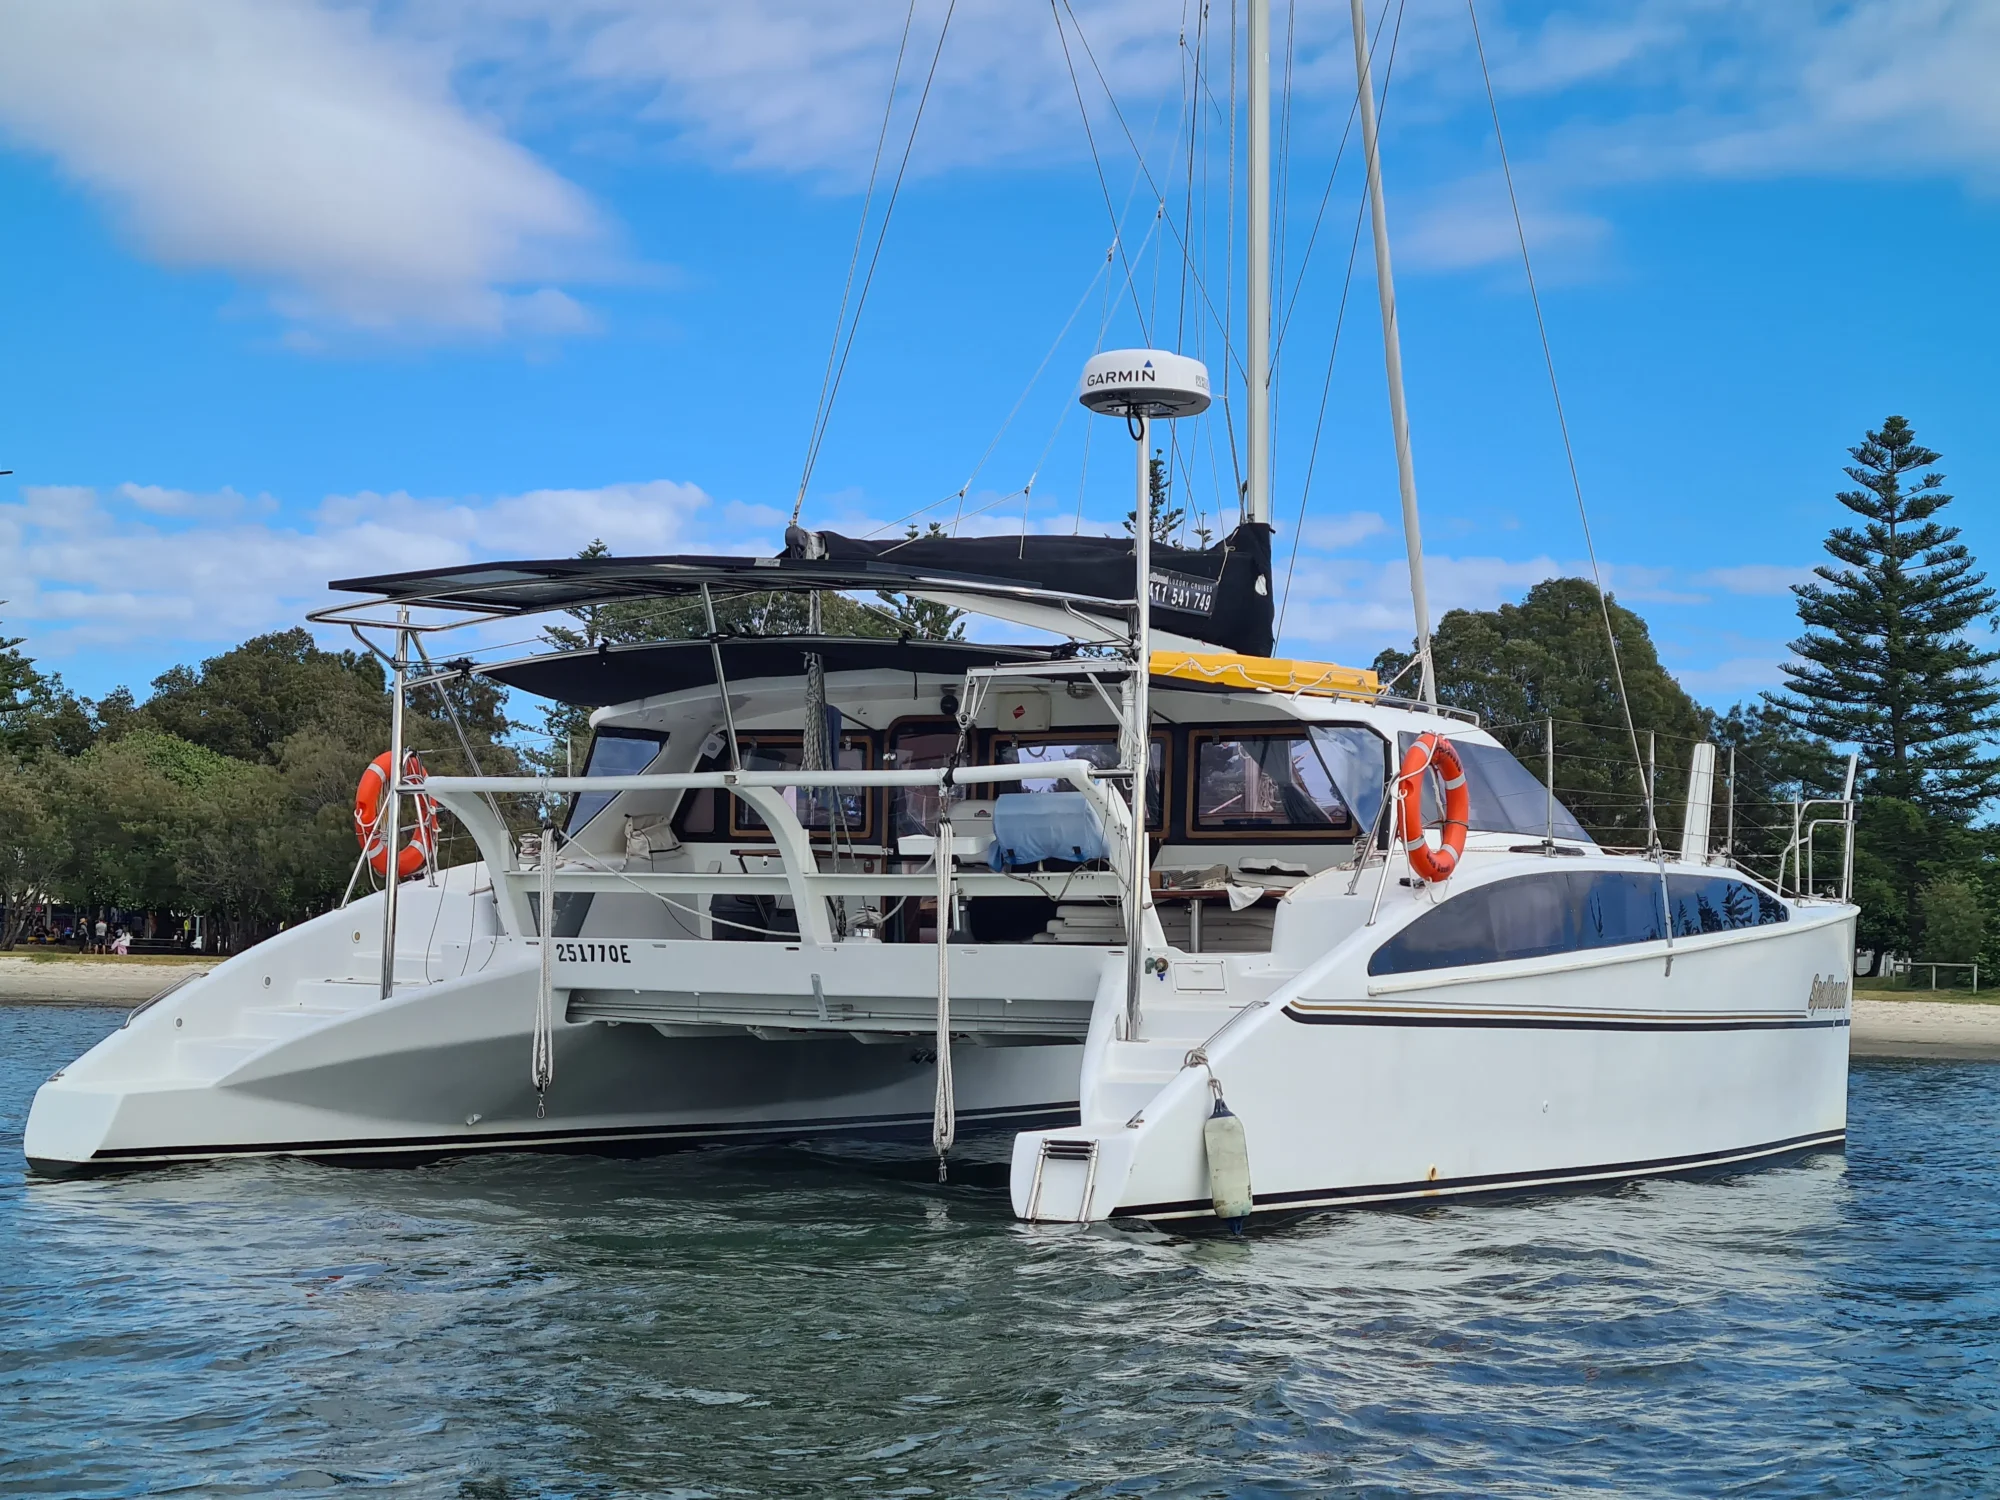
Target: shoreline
[78,979]
[1935,1030]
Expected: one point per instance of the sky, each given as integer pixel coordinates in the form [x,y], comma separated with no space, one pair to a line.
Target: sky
[298,290]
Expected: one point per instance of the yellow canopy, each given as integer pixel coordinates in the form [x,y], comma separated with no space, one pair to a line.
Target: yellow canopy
[1225,669]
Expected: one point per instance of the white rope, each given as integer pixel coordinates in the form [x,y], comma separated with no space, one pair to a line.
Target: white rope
[542,1057]
[944,1110]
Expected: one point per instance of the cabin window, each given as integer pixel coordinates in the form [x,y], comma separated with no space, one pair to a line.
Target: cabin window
[1716,903]
[1489,924]
[1324,780]
[1532,916]
[1099,750]
[613,752]
[1506,796]
[841,810]
[1615,907]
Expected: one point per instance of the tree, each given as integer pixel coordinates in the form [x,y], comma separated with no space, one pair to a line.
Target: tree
[1774,765]
[1954,920]
[37,712]
[34,847]
[1167,517]
[247,701]
[1884,663]
[1521,664]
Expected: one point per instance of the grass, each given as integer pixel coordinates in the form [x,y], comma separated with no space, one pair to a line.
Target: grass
[40,955]
[1918,987]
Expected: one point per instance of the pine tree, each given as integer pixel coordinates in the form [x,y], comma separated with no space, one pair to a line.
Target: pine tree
[1167,517]
[1884,663]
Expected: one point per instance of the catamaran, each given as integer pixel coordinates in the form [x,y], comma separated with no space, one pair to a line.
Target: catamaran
[1211,932]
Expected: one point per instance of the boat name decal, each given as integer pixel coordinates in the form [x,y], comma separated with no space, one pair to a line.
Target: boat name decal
[593,953]
[1828,993]
[1178,591]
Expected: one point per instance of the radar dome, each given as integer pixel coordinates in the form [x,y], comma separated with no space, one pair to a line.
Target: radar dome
[1144,383]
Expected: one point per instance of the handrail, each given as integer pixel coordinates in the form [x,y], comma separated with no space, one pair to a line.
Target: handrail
[1077,772]
[152,1000]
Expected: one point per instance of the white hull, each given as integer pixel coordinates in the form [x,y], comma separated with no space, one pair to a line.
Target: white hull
[288,1050]
[1577,1069]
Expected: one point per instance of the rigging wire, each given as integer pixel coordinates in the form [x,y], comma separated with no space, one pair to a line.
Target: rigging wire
[832,390]
[1340,318]
[1097,162]
[860,234]
[1159,194]
[1326,195]
[1562,421]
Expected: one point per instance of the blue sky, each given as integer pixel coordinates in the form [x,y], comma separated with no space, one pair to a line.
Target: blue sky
[296,291]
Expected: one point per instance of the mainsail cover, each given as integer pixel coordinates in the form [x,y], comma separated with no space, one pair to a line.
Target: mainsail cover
[1219,594]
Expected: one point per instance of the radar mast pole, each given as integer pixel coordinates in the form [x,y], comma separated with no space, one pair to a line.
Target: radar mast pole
[1257,273]
[1392,351]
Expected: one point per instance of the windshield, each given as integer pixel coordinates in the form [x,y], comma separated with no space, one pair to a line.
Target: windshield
[1506,796]
[614,752]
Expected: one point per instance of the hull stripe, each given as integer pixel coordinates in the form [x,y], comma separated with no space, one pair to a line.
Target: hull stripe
[1025,1117]
[1495,1182]
[1528,1021]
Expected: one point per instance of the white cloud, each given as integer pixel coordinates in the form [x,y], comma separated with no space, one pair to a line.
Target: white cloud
[1333,533]
[302,147]
[80,569]
[354,159]
[1736,677]
[1768,579]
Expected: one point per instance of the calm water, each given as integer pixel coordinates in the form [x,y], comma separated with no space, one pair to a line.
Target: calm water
[791,1323]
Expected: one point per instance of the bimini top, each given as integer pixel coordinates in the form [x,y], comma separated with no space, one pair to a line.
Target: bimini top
[623,674]
[1076,585]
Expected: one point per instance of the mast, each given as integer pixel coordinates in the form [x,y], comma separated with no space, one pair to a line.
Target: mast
[1257,273]
[1392,350]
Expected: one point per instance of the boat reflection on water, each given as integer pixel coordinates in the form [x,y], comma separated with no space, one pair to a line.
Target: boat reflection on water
[779,1320]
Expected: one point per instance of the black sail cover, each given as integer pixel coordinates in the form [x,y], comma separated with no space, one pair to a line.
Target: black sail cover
[1220,594]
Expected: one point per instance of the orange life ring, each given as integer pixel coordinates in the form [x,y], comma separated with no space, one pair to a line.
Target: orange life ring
[369,803]
[1433,750]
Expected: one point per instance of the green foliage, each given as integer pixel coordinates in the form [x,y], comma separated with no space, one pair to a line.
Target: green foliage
[1547,657]
[228,793]
[248,700]
[34,847]
[1168,519]
[37,713]
[1884,661]
[1954,920]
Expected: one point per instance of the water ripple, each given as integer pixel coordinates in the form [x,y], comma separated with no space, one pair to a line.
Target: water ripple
[806,1322]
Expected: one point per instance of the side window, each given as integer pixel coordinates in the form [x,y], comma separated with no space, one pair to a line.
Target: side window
[1266,781]
[1102,753]
[1615,908]
[613,752]
[1716,903]
[1527,917]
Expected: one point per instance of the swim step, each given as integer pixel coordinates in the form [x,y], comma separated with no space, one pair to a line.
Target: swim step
[206,1061]
[273,1023]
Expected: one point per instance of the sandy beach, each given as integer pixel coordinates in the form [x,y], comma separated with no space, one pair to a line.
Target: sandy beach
[1926,1028]
[71,980]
